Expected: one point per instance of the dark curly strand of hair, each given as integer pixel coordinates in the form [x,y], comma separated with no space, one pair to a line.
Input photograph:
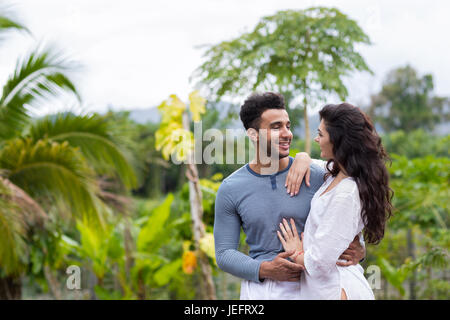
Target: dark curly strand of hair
[357,148]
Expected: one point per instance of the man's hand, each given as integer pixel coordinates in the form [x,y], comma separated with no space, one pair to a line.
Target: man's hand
[280,269]
[298,170]
[354,254]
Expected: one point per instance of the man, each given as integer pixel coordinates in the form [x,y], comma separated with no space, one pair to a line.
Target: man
[253,198]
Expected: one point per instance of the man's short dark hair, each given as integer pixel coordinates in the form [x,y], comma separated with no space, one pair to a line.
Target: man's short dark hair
[256,104]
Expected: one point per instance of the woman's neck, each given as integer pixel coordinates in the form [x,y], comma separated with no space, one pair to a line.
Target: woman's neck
[342,175]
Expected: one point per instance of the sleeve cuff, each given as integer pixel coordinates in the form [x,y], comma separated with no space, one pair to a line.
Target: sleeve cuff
[256,277]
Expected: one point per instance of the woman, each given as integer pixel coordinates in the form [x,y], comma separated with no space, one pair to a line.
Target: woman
[354,197]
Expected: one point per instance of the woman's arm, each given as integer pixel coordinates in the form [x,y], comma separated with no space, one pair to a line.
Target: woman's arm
[299,170]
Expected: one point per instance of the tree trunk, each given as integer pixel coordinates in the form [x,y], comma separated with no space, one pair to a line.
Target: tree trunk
[52,283]
[10,288]
[305,99]
[307,134]
[141,292]
[411,254]
[195,199]
[128,246]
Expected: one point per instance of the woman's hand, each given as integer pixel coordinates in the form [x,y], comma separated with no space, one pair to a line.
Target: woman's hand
[289,239]
[299,170]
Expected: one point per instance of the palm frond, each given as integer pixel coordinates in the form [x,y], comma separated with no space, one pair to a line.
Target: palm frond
[91,134]
[41,74]
[8,22]
[55,174]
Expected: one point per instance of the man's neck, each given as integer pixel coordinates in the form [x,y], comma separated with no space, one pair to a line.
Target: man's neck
[271,166]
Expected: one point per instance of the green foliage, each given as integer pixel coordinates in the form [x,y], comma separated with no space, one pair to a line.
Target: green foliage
[91,134]
[150,235]
[138,251]
[298,53]
[53,172]
[40,173]
[167,272]
[94,245]
[42,74]
[416,144]
[13,231]
[395,276]
[9,22]
[407,102]
[172,137]
[421,191]
[421,210]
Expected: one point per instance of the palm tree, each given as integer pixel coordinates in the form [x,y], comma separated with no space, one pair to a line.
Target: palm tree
[49,164]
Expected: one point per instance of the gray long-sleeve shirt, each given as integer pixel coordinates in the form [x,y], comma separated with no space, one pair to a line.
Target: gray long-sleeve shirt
[257,203]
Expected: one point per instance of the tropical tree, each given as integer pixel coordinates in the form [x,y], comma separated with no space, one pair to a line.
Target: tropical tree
[303,54]
[414,255]
[48,167]
[407,102]
[175,139]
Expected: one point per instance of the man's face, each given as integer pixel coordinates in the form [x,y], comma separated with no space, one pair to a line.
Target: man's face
[276,128]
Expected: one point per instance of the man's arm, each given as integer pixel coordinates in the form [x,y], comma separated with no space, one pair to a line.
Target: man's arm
[355,253]
[227,226]
[281,269]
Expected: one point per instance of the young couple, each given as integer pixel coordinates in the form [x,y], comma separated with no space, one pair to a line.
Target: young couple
[318,221]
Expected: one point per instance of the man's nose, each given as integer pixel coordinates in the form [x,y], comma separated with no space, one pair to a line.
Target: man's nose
[286,133]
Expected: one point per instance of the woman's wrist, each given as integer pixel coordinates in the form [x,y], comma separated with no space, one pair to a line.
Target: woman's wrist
[299,257]
[296,254]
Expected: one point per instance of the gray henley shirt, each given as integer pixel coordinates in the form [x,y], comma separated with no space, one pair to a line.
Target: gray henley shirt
[257,203]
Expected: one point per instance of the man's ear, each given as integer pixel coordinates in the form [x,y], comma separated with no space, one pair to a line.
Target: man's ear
[252,134]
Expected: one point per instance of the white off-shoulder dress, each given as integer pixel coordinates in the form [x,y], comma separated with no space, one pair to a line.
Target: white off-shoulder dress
[333,222]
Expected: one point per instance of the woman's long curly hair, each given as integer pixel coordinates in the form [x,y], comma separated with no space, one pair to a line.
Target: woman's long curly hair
[357,148]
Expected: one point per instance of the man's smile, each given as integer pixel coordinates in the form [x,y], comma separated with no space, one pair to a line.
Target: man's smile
[284,145]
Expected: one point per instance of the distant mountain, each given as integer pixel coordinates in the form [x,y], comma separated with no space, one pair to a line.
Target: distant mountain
[151,114]
[142,116]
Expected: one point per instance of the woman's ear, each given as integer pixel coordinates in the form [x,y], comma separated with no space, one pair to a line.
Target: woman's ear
[252,134]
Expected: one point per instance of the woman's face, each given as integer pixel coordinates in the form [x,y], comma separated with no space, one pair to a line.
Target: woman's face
[323,139]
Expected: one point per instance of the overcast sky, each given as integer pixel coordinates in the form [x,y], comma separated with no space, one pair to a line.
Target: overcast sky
[136,52]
